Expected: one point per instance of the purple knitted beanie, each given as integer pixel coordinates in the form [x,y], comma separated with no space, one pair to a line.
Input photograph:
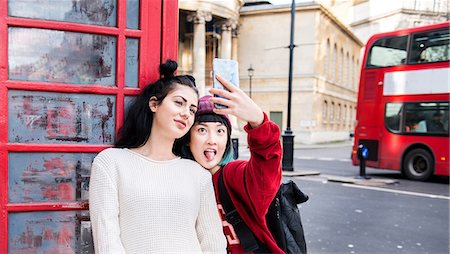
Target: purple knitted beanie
[205,107]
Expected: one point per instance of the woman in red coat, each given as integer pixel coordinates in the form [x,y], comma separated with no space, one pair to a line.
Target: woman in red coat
[251,184]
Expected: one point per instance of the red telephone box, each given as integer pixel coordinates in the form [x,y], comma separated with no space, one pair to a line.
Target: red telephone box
[67,71]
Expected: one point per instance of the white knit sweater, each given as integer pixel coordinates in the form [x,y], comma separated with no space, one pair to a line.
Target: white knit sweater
[138,205]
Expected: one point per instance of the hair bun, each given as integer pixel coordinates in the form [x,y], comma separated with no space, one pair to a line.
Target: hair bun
[168,68]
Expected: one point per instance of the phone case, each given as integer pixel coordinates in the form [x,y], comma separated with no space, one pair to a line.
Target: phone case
[228,69]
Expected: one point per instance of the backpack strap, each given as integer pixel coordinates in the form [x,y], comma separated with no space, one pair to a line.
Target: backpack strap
[246,237]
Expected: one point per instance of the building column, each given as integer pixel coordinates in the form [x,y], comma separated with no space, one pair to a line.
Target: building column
[234,42]
[199,49]
[229,41]
[226,46]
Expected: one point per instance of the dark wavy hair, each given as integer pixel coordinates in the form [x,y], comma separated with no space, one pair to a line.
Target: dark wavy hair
[136,129]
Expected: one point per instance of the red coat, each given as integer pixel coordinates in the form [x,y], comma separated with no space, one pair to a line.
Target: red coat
[252,184]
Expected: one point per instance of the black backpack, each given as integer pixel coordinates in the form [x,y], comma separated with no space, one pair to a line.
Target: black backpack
[283,220]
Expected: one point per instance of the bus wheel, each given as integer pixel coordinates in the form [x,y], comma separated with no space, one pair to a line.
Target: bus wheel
[418,165]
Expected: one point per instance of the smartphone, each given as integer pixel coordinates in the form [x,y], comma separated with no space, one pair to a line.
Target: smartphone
[227,69]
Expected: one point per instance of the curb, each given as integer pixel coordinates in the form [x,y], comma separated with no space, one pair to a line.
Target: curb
[365,182]
[341,179]
[301,173]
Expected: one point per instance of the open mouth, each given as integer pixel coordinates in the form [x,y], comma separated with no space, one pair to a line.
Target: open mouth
[210,154]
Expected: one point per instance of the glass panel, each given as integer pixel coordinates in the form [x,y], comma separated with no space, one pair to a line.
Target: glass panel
[388,52]
[277,117]
[131,68]
[50,232]
[430,47]
[99,12]
[427,118]
[393,115]
[42,117]
[128,101]
[63,57]
[133,14]
[47,177]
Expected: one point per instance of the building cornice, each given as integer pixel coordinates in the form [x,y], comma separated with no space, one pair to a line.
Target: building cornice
[217,8]
[311,6]
[341,25]
[395,12]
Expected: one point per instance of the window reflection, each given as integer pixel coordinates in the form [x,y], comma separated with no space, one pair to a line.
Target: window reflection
[424,118]
[388,52]
[392,116]
[133,14]
[50,232]
[430,47]
[64,57]
[128,101]
[42,117]
[131,67]
[99,12]
[46,177]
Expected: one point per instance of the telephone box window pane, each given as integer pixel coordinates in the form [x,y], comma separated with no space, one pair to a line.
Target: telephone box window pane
[131,72]
[43,117]
[133,14]
[128,101]
[49,177]
[99,12]
[50,232]
[63,57]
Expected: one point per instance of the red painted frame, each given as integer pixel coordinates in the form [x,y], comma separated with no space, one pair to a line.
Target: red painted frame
[158,42]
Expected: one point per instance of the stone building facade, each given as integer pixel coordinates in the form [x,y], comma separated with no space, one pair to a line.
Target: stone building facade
[208,29]
[368,17]
[325,69]
[326,62]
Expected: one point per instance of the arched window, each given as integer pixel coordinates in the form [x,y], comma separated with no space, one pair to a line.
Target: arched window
[344,114]
[324,111]
[352,73]
[327,59]
[355,85]
[333,66]
[332,111]
[347,71]
[338,112]
[341,66]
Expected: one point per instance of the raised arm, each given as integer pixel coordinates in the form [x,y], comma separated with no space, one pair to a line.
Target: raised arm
[255,181]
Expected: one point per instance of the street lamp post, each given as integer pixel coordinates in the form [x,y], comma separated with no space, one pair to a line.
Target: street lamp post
[250,75]
[288,137]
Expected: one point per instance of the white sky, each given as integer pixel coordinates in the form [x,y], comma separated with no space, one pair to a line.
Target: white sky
[277,2]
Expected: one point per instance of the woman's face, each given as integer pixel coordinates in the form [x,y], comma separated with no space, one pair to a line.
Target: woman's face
[174,116]
[208,144]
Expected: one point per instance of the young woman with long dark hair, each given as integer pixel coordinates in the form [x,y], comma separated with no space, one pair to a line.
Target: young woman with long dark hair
[144,198]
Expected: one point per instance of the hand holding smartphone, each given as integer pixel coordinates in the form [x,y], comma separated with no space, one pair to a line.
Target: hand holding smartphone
[227,69]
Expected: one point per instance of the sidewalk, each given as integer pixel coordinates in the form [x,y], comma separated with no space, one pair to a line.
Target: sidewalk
[244,153]
[348,142]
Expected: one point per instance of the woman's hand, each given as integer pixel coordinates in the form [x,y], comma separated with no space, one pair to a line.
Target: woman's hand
[238,103]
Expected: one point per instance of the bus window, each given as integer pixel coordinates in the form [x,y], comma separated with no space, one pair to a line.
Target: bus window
[392,116]
[430,47]
[429,118]
[387,52]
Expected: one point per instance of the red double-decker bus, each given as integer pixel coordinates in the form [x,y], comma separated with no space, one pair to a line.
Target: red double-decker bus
[403,102]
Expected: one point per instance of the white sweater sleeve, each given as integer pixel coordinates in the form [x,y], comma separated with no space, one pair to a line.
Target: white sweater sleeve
[104,209]
[209,226]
